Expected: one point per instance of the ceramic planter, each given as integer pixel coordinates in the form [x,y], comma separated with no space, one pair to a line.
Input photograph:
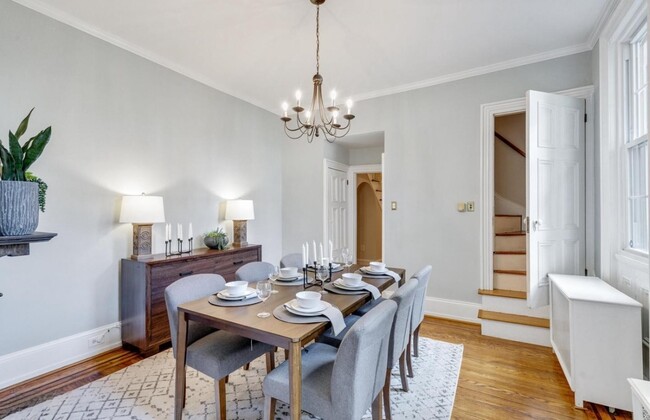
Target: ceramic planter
[18,208]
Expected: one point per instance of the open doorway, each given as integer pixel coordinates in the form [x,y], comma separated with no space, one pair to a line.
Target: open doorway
[369,232]
[509,259]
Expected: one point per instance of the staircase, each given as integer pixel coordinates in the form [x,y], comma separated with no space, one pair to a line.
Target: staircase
[504,312]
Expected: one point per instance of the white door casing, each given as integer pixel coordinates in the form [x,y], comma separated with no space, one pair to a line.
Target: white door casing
[555,193]
[336,206]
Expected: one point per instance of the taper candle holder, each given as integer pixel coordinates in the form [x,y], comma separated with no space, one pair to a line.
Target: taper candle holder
[179,247]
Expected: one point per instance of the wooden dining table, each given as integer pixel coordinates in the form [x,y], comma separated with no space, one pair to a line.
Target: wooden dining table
[243,320]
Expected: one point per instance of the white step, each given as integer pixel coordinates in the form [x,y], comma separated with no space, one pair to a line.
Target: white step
[509,262]
[510,243]
[516,332]
[513,306]
[504,223]
[509,281]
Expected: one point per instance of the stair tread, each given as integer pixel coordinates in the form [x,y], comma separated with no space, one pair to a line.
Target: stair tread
[514,233]
[514,294]
[514,319]
[510,252]
[518,272]
[507,215]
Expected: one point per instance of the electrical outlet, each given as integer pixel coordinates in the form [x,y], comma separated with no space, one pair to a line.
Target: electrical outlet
[95,341]
[470,206]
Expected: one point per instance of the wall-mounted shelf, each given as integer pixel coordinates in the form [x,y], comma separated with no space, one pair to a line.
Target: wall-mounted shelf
[15,246]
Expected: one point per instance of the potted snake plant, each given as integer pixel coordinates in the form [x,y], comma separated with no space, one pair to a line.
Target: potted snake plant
[22,193]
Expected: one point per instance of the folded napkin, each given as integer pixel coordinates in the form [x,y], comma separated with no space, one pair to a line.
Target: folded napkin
[336,318]
[388,273]
[394,275]
[372,289]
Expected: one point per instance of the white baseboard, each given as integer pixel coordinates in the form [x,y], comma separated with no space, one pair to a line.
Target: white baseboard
[452,309]
[28,363]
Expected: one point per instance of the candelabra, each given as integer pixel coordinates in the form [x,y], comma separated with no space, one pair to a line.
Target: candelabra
[179,247]
[306,284]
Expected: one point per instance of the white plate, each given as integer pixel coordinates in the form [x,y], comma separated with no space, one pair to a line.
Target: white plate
[227,296]
[340,285]
[292,306]
[367,270]
[292,278]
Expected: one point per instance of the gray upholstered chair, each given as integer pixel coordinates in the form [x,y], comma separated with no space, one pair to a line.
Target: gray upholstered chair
[254,271]
[340,384]
[213,352]
[400,334]
[418,314]
[291,260]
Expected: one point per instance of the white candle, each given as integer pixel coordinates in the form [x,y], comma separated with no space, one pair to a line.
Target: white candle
[321,251]
[303,255]
[180,231]
[189,231]
[315,254]
[331,250]
[168,231]
[306,247]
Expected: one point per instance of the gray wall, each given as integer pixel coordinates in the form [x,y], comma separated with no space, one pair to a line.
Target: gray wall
[121,125]
[432,162]
[366,155]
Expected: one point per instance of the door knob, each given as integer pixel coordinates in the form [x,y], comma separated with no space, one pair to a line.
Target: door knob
[537,224]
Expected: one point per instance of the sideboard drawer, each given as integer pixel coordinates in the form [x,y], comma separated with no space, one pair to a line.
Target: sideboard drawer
[143,313]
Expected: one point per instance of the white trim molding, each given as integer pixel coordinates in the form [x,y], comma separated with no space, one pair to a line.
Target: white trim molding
[34,361]
[488,113]
[452,309]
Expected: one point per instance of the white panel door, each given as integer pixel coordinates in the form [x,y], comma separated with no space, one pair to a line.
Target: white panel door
[337,209]
[555,196]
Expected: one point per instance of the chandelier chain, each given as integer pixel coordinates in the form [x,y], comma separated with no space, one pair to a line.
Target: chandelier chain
[317,39]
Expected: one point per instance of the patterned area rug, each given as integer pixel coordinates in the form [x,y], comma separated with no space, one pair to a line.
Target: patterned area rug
[145,390]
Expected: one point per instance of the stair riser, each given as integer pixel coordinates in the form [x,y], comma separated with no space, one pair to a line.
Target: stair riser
[509,281]
[510,243]
[507,224]
[516,332]
[510,262]
[513,306]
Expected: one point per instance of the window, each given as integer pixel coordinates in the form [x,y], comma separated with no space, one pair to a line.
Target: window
[635,148]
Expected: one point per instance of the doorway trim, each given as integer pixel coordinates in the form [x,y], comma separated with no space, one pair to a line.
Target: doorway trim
[512,106]
[352,199]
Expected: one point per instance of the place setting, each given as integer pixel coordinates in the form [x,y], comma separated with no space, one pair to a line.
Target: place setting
[307,308]
[377,269]
[287,276]
[352,284]
[237,293]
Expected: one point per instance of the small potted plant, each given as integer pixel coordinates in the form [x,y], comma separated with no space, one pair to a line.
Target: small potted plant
[21,192]
[216,239]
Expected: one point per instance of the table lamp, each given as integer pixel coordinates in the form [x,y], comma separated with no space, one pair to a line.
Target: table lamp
[239,211]
[143,211]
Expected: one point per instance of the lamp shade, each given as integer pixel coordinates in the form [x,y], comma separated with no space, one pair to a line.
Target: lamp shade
[142,209]
[240,210]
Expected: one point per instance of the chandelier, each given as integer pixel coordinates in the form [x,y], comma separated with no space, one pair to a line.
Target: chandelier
[318,119]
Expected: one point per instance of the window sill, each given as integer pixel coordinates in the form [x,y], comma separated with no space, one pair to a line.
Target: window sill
[633,259]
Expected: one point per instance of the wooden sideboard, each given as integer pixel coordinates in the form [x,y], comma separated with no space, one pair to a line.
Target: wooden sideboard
[142,286]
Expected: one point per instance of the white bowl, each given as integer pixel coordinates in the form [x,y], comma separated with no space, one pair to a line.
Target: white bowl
[351,279]
[308,299]
[237,288]
[377,266]
[289,272]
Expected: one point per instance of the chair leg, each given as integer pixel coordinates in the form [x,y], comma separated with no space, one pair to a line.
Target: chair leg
[409,360]
[270,361]
[376,407]
[220,398]
[386,393]
[416,341]
[402,372]
[227,378]
[269,408]
[286,354]
[247,366]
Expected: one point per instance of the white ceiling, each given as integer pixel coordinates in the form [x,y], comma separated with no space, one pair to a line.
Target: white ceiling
[262,50]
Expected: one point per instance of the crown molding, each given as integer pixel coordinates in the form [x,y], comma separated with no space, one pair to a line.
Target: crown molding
[477,71]
[604,17]
[67,19]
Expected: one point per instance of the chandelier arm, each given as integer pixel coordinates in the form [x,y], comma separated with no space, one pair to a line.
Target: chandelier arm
[287,132]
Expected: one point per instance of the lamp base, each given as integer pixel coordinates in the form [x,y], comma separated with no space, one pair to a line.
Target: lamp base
[141,241]
[239,237]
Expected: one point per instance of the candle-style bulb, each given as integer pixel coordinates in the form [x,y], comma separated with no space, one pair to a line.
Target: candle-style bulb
[298,96]
[349,104]
[285,106]
[333,96]
[334,115]
[308,115]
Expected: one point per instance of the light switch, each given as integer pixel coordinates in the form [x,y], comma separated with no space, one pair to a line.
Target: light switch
[393,205]
[461,207]
[470,206]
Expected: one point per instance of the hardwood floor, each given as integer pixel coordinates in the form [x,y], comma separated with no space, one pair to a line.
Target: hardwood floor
[499,379]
